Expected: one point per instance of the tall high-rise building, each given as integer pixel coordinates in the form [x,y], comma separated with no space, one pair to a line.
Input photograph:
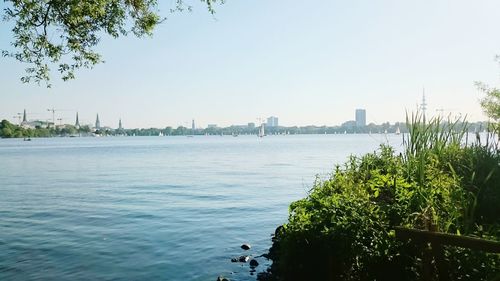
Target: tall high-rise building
[120,127]
[24,117]
[192,125]
[97,123]
[360,117]
[272,121]
[77,122]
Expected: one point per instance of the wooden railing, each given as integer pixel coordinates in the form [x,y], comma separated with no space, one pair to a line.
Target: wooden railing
[435,252]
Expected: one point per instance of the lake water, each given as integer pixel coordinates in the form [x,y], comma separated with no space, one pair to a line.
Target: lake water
[154,208]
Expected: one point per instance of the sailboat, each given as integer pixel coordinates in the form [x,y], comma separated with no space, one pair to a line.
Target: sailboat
[261,131]
[398,132]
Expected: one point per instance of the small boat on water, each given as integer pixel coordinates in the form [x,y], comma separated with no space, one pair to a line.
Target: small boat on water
[398,132]
[261,131]
[27,139]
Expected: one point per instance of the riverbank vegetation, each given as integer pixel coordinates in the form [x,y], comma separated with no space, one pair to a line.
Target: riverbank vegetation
[442,181]
[9,130]
[250,129]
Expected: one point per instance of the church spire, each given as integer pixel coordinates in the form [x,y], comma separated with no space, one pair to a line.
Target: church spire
[77,122]
[97,122]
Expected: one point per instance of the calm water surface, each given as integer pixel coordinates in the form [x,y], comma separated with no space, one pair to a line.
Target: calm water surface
[154,208]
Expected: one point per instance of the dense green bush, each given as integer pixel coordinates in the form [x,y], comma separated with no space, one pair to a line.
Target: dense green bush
[344,229]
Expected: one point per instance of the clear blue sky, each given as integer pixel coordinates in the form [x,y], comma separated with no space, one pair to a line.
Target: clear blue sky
[307,62]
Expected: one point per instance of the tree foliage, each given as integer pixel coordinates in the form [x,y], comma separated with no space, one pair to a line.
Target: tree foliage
[65,33]
[491,102]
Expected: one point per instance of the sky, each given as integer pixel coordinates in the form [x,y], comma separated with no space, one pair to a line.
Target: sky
[306,62]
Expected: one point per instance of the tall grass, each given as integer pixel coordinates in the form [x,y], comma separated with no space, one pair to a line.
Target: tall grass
[433,136]
[474,163]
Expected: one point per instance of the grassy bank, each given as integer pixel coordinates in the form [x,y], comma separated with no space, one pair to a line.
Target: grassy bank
[344,228]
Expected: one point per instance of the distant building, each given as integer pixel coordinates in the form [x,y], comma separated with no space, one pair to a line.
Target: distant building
[25,124]
[36,124]
[97,123]
[120,127]
[251,125]
[32,124]
[272,121]
[349,124]
[192,125]
[212,126]
[360,117]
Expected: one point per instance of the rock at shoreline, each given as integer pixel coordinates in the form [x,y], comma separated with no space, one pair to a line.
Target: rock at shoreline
[240,259]
[246,247]
[243,258]
[254,263]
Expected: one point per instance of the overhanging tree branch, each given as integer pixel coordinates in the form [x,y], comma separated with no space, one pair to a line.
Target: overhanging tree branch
[79,26]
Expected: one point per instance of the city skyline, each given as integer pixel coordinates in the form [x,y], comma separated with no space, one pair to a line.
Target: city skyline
[271,121]
[359,120]
[314,70]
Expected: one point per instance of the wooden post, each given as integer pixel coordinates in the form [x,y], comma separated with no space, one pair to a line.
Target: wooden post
[437,240]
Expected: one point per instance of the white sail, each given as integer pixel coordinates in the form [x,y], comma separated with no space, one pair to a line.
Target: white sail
[261,130]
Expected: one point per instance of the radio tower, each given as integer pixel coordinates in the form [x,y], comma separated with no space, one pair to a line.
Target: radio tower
[423,105]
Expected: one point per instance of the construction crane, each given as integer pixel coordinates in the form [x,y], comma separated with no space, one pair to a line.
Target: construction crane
[53,110]
[18,116]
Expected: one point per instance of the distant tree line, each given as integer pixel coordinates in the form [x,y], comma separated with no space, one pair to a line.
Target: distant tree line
[281,130]
[9,130]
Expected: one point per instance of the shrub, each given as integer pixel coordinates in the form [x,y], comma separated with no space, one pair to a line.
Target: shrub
[344,228]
